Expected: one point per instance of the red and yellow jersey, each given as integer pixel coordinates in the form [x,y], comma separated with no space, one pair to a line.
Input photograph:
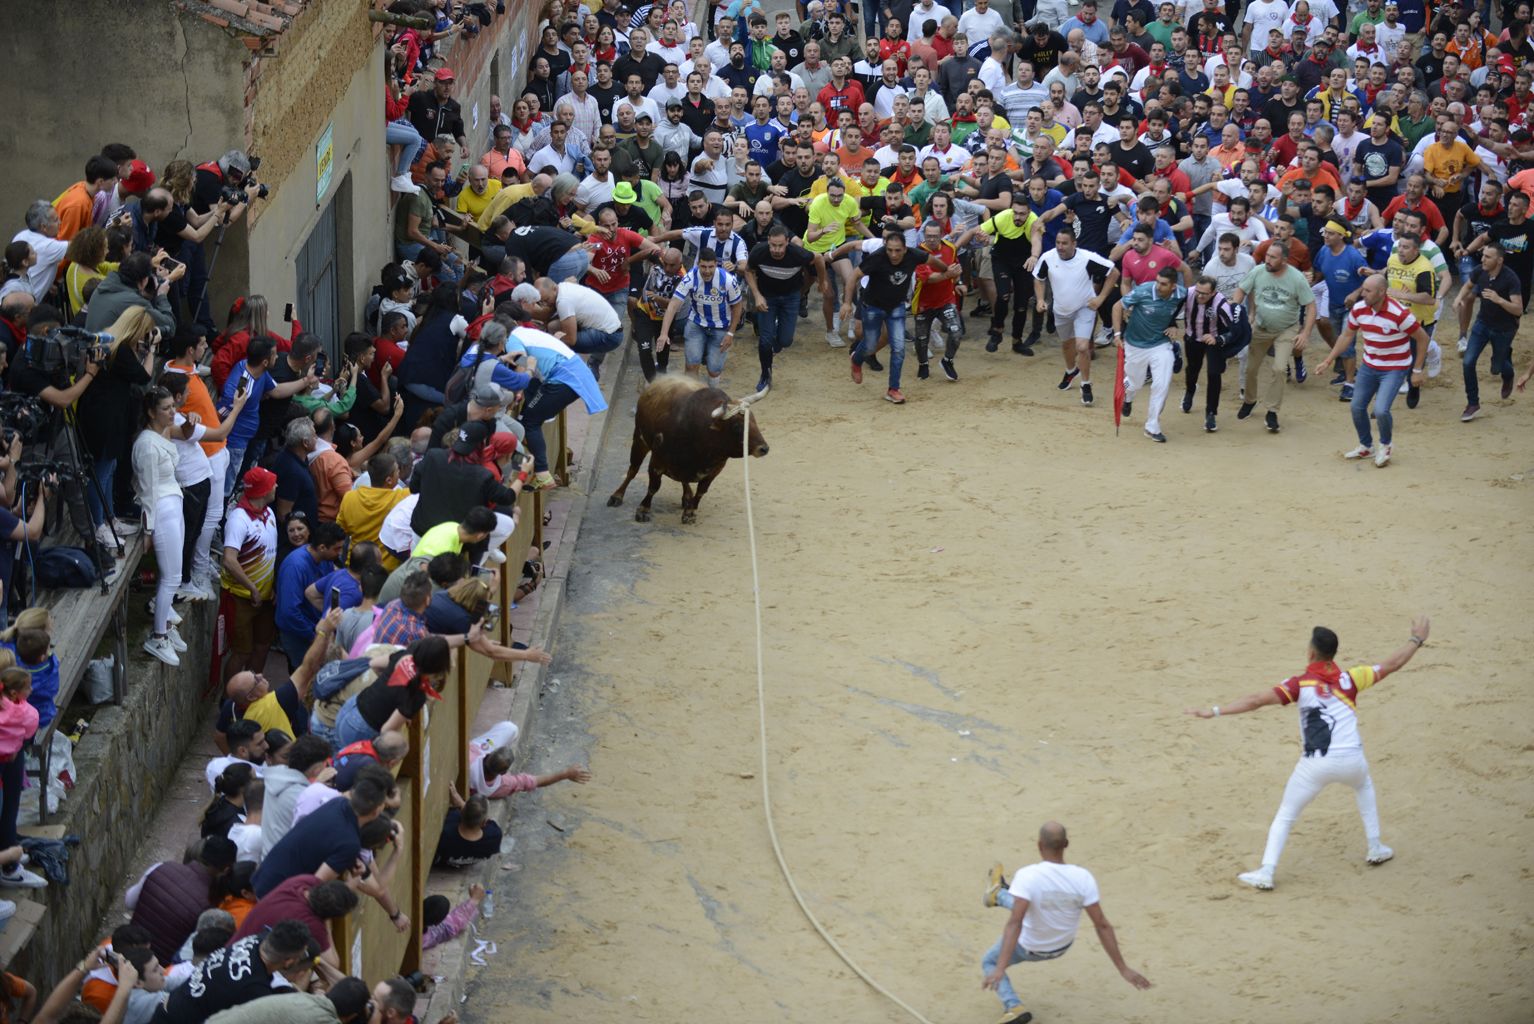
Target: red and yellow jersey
[932,294]
[1328,701]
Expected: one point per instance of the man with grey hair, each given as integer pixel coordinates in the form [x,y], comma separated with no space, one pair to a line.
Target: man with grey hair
[41,233]
[993,70]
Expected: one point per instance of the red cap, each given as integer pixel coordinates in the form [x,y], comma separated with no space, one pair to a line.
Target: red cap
[444,75]
[259,482]
[139,178]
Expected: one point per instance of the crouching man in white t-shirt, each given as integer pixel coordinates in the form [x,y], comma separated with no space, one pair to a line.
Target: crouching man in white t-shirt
[1046,900]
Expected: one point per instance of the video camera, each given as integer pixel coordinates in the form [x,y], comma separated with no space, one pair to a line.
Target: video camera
[21,416]
[32,472]
[235,195]
[68,348]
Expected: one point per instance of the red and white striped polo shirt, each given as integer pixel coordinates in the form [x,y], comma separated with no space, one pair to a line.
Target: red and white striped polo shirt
[1385,333]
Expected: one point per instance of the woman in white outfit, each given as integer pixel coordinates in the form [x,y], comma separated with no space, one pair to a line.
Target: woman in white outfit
[1327,697]
[159,497]
[196,471]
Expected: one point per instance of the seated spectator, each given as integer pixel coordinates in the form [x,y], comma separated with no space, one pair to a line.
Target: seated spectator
[307,761]
[296,617]
[469,837]
[228,806]
[490,774]
[249,969]
[443,921]
[101,980]
[247,745]
[364,508]
[326,842]
[166,900]
[406,680]
[246,836]
[307,899]
[387,749]
[30,639]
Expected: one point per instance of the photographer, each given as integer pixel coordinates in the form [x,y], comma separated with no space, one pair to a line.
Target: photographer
[137,281]
[182,233]
[12,528]
[105,413]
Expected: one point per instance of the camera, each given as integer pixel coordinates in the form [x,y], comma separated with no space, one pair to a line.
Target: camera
[22,416]
[32,472]
[235,196]
[68,348]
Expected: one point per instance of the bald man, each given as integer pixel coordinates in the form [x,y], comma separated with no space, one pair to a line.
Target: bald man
[1046,900]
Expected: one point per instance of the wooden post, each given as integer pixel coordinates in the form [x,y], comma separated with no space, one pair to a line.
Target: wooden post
[402,20]
[461,684]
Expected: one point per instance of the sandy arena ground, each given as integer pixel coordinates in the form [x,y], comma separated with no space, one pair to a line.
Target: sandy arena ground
[983,610]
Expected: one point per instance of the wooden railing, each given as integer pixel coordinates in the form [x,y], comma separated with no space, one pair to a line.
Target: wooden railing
[367,942]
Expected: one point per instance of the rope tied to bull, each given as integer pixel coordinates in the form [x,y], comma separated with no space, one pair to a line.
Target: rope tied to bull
[761,707]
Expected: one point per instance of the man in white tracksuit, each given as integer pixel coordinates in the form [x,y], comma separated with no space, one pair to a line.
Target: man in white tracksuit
[1152,309]
[1328,698]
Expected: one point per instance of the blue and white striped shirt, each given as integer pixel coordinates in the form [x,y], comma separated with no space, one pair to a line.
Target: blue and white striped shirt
[730,249]
[709,301]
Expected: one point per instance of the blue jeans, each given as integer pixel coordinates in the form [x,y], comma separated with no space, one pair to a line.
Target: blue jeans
[1379,387]
[351,727]
[1004,991]
[775,327]
[403,133]
[702,345]
[589,340]
[452,264]
[1501,341]
[550,398]
[571,266]
[102,509]
[295,646]
[894,320]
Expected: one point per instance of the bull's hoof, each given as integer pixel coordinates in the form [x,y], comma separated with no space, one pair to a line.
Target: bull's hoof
[642,515]
[614,500]
[689,517]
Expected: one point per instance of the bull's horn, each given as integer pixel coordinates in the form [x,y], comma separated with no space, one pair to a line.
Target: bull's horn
[754,397]
[720,410]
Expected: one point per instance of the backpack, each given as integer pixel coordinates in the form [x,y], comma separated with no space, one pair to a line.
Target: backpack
[466,378]
[63,567]
[334,676]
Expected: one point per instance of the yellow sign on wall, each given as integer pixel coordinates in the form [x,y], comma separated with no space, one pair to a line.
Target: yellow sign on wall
[324,163]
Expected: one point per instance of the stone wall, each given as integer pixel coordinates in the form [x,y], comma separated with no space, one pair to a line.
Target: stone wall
[123,766]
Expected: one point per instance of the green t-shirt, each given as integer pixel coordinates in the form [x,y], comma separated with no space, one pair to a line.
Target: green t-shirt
[418,204]
[439,540]
[1278,299]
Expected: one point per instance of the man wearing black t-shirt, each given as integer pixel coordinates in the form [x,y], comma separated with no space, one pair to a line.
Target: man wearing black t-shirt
[1131,154]
[276,961]
[1042,47]
[639,61]
[1515,234]
[793,205]
[1093,213]
[891,271]
[775,274]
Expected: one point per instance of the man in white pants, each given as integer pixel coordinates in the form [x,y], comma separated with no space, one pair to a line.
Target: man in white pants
[1045,900]
[1152,310]
[1334,752]
[1081,281]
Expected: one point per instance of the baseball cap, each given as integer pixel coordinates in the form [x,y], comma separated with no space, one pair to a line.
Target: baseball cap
[623,192]
[139,177]
[642,116]
[259,482]
[487,396]
[471,437]
[444,75]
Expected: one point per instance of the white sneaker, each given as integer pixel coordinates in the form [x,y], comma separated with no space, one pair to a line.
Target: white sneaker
[20,878]
[1363,451]
[834,339]
[105,538]
[1262,878]
[1379,854]
[836,322]
[7,910]
[1405,387]
[1464,343]
[194,592]
[1382,455]
[495,556]
[174,636]
[125,528]
[402,183]
[160,647]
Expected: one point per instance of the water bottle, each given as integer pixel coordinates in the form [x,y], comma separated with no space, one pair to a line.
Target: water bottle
[487,907]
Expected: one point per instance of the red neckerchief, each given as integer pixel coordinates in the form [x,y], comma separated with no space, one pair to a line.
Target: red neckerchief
[1323,671]
[1351,210]
[522,126]
[244,503]
[404,672]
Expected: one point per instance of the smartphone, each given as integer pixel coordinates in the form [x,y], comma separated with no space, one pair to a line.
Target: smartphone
[169,266]
[242,387]
[335,597]
[287,313]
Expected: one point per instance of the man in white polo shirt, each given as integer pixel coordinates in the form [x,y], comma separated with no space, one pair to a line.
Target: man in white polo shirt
[1046,900]
[1328,701]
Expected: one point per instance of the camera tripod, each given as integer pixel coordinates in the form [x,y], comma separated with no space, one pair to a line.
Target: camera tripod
[66,447]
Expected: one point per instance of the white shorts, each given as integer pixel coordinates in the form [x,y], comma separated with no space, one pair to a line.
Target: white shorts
[1322,294]
[1076,324]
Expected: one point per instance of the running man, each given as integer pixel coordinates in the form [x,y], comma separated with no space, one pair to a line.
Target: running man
[1501,309]
[1046,900]
[1152,309]
[1216,329]
[1394,348]
[889,273]
[1334,752]
[714,302]
[937,302]
[775,274]
[830,215]
[1018,233]
[1081,281]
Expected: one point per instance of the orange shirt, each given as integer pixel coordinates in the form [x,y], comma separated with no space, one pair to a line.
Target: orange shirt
[1321,177]
[198,400]
[852,162]
[497,164]
[74,210]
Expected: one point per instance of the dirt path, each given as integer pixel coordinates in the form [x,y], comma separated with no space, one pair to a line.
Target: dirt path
[984,611]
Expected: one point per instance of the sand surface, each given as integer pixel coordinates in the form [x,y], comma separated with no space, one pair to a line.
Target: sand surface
[983,610]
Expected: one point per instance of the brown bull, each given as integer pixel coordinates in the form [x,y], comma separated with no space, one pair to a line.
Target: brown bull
[689,431]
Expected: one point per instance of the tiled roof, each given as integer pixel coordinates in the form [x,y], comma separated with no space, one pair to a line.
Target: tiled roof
[258,20]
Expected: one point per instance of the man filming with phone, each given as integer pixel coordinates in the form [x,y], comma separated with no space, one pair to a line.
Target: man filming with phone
[140,280]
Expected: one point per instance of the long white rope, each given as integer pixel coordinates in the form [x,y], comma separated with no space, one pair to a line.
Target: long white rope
[761,706]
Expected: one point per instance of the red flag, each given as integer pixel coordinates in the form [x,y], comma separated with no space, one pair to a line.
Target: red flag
[1118,391]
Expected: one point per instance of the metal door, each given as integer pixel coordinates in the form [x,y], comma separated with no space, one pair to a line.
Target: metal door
[319,277]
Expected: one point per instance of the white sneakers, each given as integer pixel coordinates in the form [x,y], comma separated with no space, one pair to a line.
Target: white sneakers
[195,591]
[1382,456]
[1262,878]
[1464,343]
[1363,451]
[161,648]
[174,636]
[834,338]
[402,183]
[1379,853]
[18,877]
